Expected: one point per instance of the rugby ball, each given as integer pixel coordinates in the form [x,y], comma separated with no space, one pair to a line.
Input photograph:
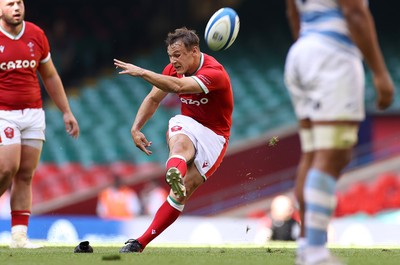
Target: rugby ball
[222,29]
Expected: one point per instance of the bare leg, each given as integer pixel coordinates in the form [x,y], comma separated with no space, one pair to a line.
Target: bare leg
[9,164]
[21,197]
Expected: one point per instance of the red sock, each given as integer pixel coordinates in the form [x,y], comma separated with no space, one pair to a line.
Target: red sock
[20,217]
[179,162]
[164,217]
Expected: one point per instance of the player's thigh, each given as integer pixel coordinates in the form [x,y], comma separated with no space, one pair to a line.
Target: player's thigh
[30,157]
[339,93]
[208,147]
[10,156]
[299,74]
[181,144]
[10,141]
[328,87]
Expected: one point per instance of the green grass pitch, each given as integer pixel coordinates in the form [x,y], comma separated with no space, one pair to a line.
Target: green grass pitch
[274,253]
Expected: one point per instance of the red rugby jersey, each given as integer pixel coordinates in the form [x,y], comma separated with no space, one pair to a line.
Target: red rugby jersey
[214,107]
[19,59]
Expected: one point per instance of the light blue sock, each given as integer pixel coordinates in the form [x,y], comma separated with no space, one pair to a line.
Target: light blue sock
[320,202]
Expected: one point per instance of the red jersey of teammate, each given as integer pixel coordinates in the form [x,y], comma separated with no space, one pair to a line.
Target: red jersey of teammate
[214,107]
[19,59]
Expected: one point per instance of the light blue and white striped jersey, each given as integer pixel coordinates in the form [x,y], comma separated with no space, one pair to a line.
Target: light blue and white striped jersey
[324,19]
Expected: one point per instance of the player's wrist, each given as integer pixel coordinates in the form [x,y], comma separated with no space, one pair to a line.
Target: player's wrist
[143,72]
[135,130]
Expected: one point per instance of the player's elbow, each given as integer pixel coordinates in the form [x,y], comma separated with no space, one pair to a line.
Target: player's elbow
[180,86]
[176,88]
[152,100]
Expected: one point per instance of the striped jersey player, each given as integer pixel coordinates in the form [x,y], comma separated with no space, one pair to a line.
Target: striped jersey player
[325,78]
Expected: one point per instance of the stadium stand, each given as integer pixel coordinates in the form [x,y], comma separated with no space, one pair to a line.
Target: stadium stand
[382,194]
[106,109]
[105,104]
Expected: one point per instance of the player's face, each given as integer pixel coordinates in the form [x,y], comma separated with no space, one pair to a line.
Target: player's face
[12,12]
[183,60]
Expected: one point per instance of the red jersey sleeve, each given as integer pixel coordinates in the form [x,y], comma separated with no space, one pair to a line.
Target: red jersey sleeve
[209,79]
[46,48]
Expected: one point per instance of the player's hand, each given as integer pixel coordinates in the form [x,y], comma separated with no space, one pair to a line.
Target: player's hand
[128,68]
[141,142]
[71,124]
[385,90]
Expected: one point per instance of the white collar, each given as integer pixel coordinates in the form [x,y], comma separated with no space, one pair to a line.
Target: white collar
[11,36]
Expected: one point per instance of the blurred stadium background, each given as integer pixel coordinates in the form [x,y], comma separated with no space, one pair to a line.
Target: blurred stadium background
[86,35]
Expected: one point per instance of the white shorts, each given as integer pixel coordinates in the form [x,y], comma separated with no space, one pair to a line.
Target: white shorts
[210,147]
[18,125]
[324,82]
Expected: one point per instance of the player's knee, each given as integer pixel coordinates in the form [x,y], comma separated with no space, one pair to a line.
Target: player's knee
[7,172]
[24,176]
[6,176]
[181,144]
[345,158]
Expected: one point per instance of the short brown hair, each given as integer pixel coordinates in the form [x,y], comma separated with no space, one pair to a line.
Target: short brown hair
[188,37]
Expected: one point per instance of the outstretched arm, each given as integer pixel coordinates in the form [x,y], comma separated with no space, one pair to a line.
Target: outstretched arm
[165,83]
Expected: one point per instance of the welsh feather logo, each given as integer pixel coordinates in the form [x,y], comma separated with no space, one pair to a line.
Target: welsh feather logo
[2,48]
[31,45]
[9,132]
